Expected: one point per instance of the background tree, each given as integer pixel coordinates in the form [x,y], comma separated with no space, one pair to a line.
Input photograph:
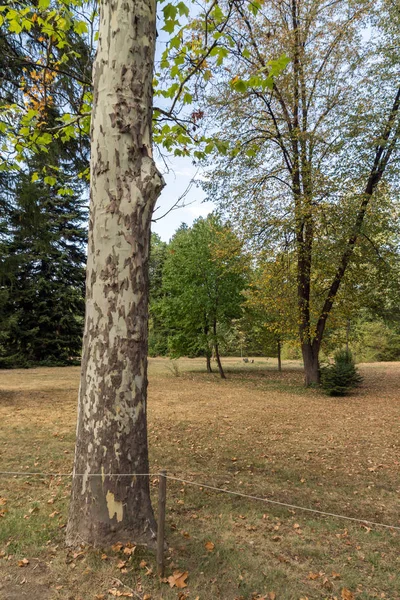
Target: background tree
[42,267]
[271,300]
[158,344]
[203,279]
[43,217]
[307,154]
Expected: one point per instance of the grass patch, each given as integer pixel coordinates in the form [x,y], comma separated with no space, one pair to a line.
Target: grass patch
[259,433]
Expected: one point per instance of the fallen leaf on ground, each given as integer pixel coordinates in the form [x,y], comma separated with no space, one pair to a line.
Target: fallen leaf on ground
[2,501]
[117,547]
[347,594]
[118,594]
[178,579]
[335,575]
[23,563]
[121,564]
[129,550]
[209,546]
[271,596]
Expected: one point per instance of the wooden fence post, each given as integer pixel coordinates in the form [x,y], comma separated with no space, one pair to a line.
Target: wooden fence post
[162,497]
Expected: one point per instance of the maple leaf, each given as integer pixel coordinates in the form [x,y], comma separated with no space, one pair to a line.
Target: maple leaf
[209,546]
[347,594]
[121,564]
[178,579]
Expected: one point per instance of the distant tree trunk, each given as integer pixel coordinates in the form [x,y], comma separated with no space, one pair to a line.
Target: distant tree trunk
[217,356]
[208,352]
[279,355]
[347,335]
[125,184]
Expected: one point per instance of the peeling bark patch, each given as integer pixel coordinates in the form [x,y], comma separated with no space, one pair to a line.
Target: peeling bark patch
[114,507]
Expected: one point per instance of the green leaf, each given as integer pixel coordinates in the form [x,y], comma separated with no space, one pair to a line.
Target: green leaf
[80,27]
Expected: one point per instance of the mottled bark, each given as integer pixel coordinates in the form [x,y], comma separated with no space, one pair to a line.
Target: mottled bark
[125,184]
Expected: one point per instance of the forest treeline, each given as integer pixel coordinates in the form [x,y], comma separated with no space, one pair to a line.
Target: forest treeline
[210,296]
[298,139]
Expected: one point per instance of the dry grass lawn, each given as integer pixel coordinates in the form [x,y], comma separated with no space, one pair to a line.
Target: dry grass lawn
[259,433]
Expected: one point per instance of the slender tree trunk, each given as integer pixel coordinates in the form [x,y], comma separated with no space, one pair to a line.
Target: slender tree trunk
[311,363]
[218,359]
[347,335]
[208,352]
[278,345]
[217,356]
[125,184]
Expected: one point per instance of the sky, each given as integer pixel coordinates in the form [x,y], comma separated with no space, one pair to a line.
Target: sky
[178,175]
[181,173]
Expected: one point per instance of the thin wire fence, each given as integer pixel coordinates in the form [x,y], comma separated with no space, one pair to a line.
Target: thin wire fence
[209,487]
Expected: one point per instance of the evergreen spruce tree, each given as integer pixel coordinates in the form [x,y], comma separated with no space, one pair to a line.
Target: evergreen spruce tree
[42,258]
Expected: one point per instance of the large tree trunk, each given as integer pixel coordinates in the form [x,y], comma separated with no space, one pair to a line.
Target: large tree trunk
[125,184]
[311,363]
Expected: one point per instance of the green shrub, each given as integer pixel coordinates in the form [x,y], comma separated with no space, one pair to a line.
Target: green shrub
[340,377]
